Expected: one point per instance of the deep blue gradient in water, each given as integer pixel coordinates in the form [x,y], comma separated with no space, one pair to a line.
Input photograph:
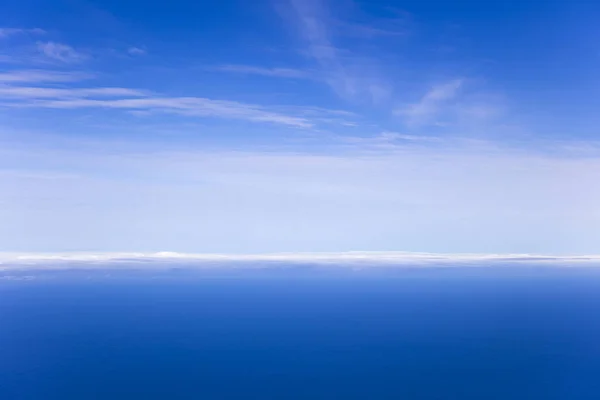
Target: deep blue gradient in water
[433,334]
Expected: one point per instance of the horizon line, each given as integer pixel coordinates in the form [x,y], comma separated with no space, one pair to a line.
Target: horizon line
[54,260]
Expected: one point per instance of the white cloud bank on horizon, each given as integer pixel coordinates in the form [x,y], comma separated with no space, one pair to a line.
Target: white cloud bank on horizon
[352,260]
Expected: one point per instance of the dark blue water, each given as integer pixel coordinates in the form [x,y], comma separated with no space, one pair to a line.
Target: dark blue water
[435,334]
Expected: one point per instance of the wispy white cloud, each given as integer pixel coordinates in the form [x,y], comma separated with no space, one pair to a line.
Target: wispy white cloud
[453,104]
[39,75]
[390,140]
[363,74]
[395,136]
[7,32]
[274,72]
[324,115]
[314,110]
[310,15]
[190,106]
[60,52]
[136,51]
[134,100]
[35,93]
[429,107]
[352,77]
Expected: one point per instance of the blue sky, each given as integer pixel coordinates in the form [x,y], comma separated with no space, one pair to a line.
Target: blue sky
[292,126]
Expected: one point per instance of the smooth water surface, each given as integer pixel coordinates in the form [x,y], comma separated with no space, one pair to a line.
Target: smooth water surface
[434,334]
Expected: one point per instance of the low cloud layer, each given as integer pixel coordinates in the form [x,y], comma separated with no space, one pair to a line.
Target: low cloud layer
[351,260]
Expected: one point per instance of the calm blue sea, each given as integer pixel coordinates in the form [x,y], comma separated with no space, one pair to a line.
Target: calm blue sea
[444,334]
